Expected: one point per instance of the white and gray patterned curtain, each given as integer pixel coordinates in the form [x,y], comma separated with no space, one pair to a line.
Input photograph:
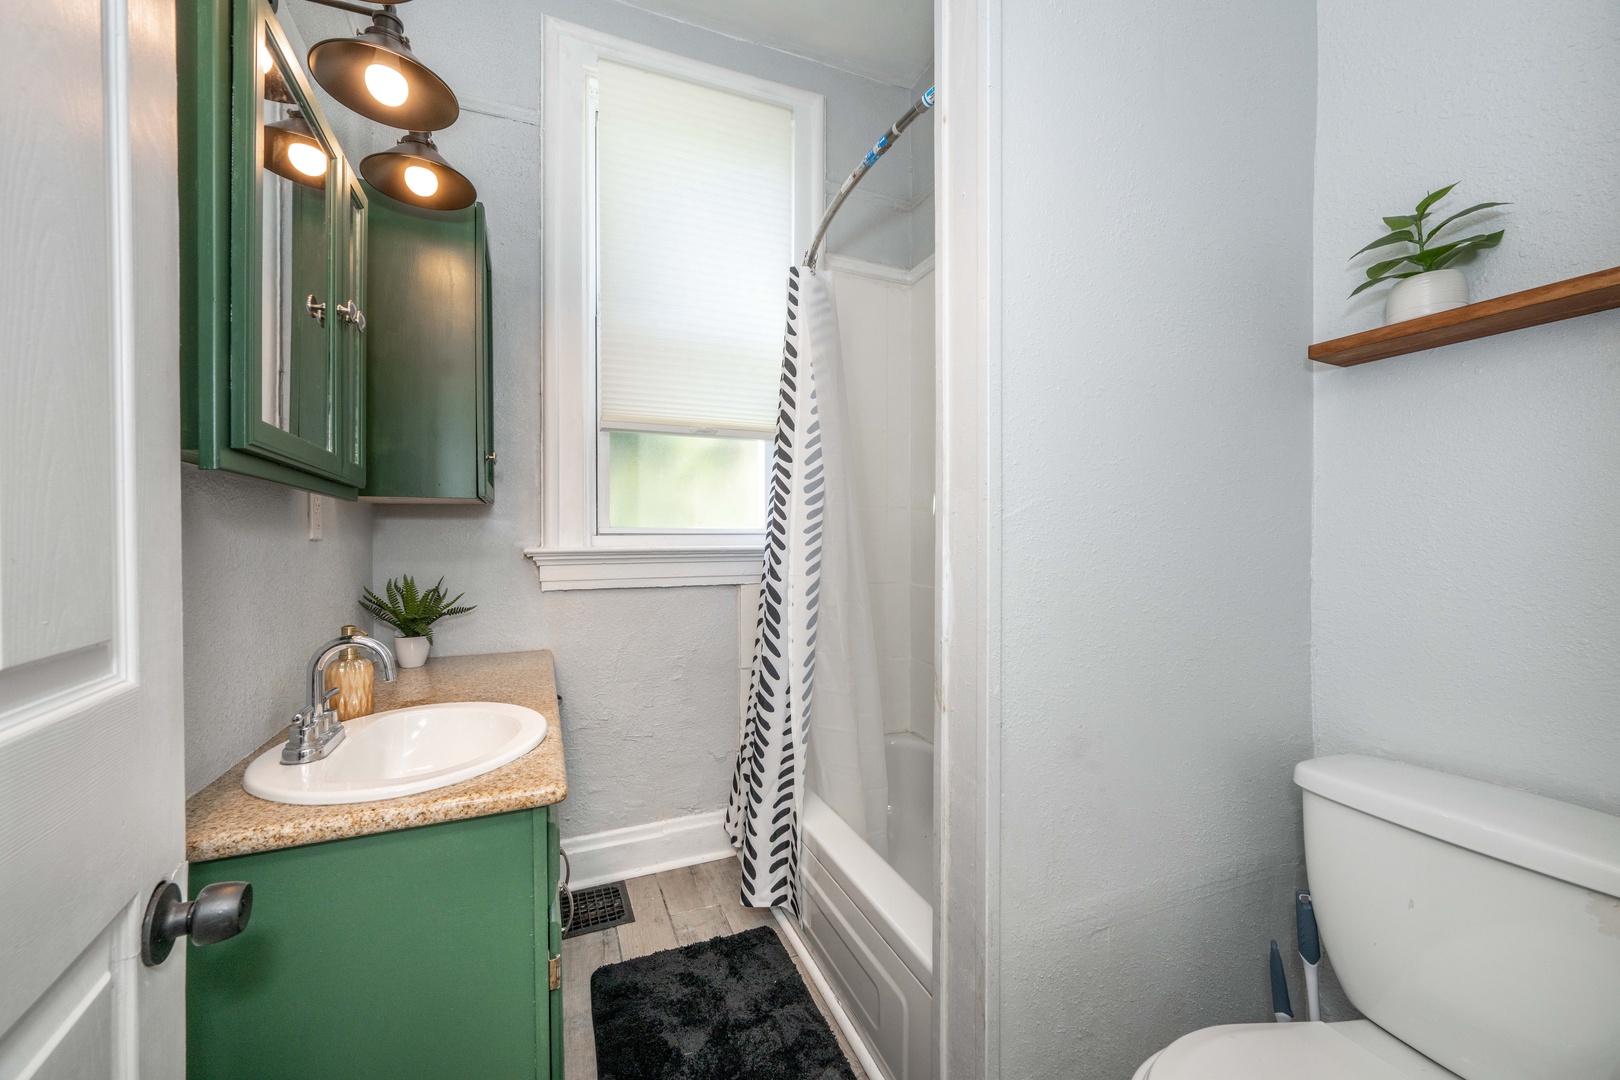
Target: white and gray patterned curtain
[814,603]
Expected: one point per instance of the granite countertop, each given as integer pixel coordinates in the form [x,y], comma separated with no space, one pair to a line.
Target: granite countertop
[224,820]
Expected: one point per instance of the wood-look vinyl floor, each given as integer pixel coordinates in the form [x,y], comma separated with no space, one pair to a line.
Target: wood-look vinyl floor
[677,907]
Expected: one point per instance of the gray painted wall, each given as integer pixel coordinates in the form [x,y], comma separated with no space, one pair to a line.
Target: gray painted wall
[259,597]
[1155,477]
[1467,515]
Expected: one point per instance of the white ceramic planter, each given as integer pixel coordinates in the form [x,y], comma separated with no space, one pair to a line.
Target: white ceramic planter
[1425,294]
[410,651]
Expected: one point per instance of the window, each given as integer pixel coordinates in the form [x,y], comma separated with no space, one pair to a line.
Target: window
[676,197]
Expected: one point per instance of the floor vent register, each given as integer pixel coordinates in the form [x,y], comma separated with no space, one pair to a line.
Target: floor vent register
[585,911]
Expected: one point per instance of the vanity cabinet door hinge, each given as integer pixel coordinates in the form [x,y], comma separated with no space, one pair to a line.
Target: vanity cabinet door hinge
[555,968]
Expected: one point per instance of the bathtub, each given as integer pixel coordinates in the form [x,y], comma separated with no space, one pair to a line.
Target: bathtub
[869,924]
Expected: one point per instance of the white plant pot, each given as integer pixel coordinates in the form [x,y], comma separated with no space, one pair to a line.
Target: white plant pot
[1425,294]
[410,651]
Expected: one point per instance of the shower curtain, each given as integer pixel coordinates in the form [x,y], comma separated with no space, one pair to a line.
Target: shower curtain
[815,654]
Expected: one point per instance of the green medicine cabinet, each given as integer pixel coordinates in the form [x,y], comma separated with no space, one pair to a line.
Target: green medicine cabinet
[429,384]
[273,239]
[426,954]
[332,339]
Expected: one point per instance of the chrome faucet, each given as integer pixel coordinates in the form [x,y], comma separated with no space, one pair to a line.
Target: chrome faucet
[316,730]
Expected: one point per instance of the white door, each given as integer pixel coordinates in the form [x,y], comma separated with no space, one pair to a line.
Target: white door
[91,740]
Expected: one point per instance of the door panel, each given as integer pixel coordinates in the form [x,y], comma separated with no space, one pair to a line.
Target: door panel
[55,540]
[70,1032]
[91,742]
[286,250]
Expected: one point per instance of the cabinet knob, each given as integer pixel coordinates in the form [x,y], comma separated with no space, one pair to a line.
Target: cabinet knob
[351,314]
[219,911]
[490,457]
[317,311]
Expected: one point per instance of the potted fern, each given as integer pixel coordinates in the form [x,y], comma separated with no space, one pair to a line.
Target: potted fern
[412,613]
[1426,282]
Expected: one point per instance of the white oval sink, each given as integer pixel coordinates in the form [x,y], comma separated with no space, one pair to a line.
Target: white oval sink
[402,752]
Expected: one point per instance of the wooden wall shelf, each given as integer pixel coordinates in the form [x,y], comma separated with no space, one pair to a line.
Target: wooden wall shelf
[1532,307]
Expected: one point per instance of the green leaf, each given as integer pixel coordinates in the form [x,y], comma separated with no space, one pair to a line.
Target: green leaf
[1400,221]
[1378,270]
[1386,240]
[1431,198]
[1386,277]
[1464,213]
[1451,252]
[409,609]
[1446,259]
[1481,240]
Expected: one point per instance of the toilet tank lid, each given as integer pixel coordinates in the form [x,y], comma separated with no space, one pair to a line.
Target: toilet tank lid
[1571,843]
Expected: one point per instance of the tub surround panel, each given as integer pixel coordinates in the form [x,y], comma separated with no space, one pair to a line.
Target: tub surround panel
[885,329]
[223,820]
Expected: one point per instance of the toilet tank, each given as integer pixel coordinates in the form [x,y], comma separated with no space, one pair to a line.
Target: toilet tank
[1478,924]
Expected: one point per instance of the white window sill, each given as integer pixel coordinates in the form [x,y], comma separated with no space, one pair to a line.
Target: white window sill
[565,568]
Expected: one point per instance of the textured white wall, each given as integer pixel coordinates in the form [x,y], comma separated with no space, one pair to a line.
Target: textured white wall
[1154,268]
[1466,609]
[259,597]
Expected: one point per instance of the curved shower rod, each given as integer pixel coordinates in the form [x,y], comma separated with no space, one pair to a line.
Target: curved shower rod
[889,138]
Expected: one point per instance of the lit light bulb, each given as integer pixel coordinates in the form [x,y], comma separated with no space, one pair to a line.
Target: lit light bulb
[307,159]
[422,181]
[265,60]
[387,85]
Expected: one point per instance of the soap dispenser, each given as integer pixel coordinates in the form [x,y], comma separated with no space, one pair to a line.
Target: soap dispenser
[352,675]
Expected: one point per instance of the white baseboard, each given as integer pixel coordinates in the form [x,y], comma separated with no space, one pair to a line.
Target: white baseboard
[617,854]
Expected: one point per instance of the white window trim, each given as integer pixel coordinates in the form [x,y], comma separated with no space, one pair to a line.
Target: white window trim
[573,554]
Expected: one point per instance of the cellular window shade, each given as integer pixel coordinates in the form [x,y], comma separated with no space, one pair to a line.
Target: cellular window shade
[694,225]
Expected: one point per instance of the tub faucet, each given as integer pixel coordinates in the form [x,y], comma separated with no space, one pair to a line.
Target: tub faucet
[316,730]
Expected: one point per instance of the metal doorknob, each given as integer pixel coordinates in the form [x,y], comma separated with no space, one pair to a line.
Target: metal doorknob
[219,911]
[316,309]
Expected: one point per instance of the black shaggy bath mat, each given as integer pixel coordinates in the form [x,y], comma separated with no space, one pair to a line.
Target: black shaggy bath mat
[730,1008]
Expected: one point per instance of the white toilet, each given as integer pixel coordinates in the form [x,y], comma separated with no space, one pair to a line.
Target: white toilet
[1476,927]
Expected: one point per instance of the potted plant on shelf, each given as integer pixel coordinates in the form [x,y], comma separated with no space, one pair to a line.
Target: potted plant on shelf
[412,613]
[1426,282]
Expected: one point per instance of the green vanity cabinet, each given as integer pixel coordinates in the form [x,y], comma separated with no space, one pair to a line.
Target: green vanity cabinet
[273,247]
[429,381]
[423,954]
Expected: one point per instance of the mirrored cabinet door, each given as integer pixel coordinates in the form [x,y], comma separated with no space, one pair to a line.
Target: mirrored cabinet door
[273,227]
[292,363]
[351,313]
[294,368]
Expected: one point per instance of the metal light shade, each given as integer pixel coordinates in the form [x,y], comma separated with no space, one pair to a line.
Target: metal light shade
[387,172]
[280,137]
[340,65]
[275,88]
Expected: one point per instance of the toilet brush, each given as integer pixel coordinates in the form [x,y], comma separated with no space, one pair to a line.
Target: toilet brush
[1281,1007]
[1310,949]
